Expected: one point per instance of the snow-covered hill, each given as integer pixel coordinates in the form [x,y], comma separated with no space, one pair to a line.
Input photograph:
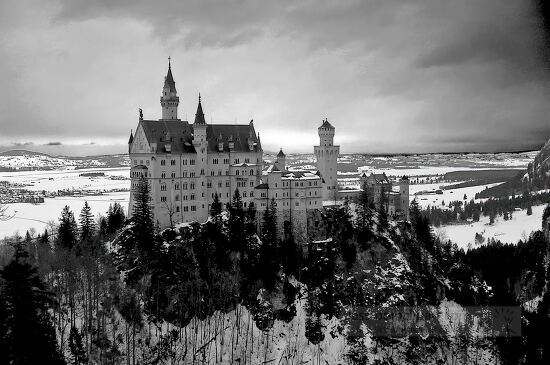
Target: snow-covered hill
[15,160]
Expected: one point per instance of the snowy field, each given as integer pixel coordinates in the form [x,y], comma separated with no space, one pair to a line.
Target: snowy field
[38,216]
[427,199]
[69,179]
[511,231]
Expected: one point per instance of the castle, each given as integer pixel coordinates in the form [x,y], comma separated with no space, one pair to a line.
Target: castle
[186,165]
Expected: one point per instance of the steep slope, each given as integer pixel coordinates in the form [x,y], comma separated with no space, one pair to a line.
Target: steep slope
[535,177]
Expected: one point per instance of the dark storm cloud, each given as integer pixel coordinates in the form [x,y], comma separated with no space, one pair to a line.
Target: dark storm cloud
[53,144]
[409,75]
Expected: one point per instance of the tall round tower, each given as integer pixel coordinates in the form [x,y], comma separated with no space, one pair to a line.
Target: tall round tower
[169,99]
[326,155]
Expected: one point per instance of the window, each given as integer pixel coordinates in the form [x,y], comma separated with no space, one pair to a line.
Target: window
[211,173]
[237,172]
[219,184]
[184,186]
[163,187]
[184,174]
[177,186]
[185,197]
[193,208]
[173,162]
[163,175]
[162,162]
[184,162]
[215,161]
[186,209]
[162,198]
[191,162]
[202,171]
[251,172]
[177,209]
[226,161]
[209,184]
[236,161]
[227,184]
[192,174]
[246,160]
[192,186]
[244,194]
[192,197]
[252,184]
[177,198]
[173,174]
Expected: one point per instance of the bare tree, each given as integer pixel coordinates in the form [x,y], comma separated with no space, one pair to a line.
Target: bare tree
[171,211]
[4,216]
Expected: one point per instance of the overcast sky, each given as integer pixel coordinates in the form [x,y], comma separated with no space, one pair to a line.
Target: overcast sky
[391,76]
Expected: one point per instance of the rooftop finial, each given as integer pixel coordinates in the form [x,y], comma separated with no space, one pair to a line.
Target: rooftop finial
[199,97]
[169,58]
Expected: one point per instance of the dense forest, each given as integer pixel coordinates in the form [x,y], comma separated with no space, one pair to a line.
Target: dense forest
[122,291]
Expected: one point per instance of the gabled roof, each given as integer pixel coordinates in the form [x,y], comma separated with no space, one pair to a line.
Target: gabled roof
[380,178]
[131,139]
[281,153]
[238,134]
[178,134]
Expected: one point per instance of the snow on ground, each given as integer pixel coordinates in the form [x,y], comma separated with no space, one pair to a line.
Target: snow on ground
[423,171]
[511,231]
[54,180]
[37,216]
[448,195]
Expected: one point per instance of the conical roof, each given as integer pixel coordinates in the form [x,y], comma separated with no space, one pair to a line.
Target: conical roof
[199,116]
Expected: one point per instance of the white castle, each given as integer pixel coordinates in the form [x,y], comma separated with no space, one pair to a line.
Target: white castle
[187,164]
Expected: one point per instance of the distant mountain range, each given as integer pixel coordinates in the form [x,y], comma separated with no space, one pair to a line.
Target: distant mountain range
[21,160]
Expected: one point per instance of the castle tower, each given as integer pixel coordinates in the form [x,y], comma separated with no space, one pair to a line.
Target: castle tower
[169,99]
[200,143]
[281,160]
[404,196]
[326,155]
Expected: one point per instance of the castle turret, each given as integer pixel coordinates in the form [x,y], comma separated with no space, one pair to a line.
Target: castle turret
[326,155]
[281,160]
[200,143]
[169,99]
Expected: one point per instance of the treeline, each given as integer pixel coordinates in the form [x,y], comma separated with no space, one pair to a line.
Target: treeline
[462,211]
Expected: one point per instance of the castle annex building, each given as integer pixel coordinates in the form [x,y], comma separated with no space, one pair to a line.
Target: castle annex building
[187,164]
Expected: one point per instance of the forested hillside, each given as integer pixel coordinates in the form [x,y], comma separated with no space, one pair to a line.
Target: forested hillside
[536,177]
[122,292]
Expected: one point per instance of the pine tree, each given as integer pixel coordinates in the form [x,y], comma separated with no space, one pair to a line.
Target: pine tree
[67,230]
[269,263]
[76,347]
[216,207]
[236,223]
[27,335]
[115,217]
[87,224]
[144,226]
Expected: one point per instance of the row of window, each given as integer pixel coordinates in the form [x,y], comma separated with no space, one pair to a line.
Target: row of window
[185,162]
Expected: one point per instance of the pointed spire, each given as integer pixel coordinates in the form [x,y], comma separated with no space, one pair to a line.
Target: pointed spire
[281,153]
[169,79]
[131,136]
[199,116]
